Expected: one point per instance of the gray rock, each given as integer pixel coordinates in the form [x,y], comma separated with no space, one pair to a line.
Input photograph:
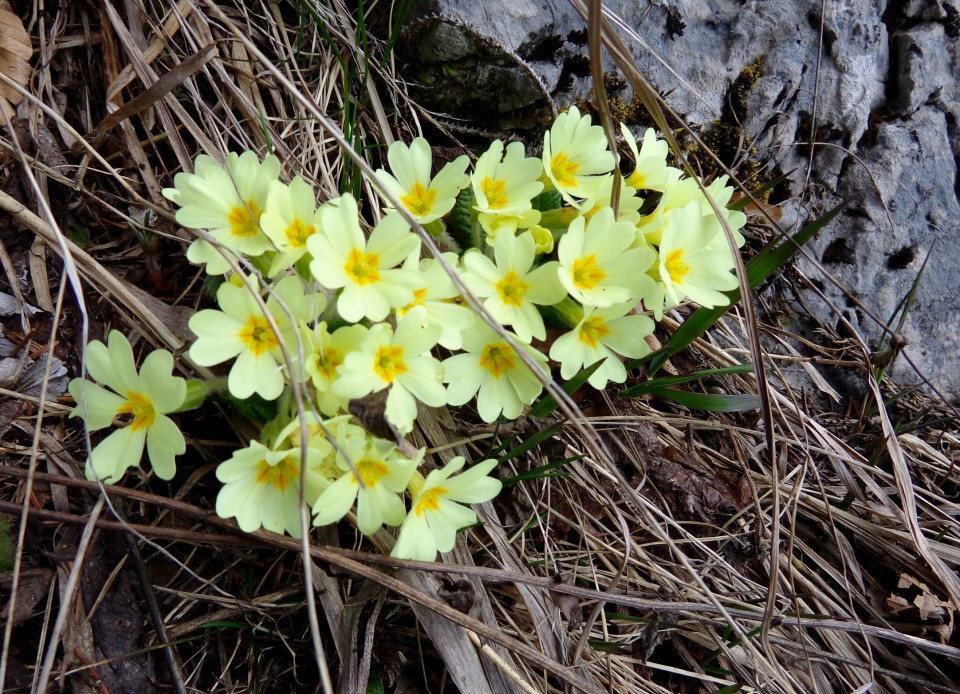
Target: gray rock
[878,94]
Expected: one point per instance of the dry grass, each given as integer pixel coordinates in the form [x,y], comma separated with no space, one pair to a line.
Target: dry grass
[645,567]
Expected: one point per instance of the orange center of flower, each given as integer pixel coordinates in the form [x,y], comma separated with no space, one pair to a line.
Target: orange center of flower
[637,180]
[280,475]
[497,359]
[564,170]
[298,233]
[586,274]
[327,360]
[258,336]
[592,330]
[676,268]
[371,471]
[512,289]
[362,268]
[429,500]
[420,200]
[141,407]
[418,296]
[495,190]
[244,219]
[388,363]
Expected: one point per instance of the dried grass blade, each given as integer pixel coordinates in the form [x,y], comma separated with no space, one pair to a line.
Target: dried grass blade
[171,25]
[95,272]
[159,89]
[905,487]
[595,44]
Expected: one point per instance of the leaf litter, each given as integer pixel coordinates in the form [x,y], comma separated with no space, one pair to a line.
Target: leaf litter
[648,589]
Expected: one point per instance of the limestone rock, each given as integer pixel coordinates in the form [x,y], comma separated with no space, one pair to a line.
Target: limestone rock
[873,85]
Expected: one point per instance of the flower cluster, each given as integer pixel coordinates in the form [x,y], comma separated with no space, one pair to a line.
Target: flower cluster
[313,300]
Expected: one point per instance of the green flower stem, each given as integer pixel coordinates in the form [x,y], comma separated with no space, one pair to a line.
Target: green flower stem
[199,390]
[436,228]
[568,312]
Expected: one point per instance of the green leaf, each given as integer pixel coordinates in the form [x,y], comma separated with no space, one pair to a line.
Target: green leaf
[526,445]
[547,200]
[462,222]
[740,204]
[79,235]
[548,404]
[541,472]
[254,408]
[730,689]
[710,402]
[661,382]
[605,646]
[774,256]
[6,545]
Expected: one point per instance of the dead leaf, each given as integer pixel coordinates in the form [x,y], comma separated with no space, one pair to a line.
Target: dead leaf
[931,606]
[928,604]
[15,52]
[569,605]
[371,410]
[33,587]
[695,492]
[163,86]
[458,593]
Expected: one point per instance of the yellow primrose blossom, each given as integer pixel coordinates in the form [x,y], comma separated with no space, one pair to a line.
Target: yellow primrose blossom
[575,155]
[597,264]
[241,329]
[146,398]
[290,218]
[261,486]
[366,271]
[512,288]
[437,513]
[504,186]
[603,333]
[409,180]
[650,162]
[493,371]
[690,267]
[399,360]
[228,201]
[385,473]
[326,351]
[602,198]
[678,192]
[437,294]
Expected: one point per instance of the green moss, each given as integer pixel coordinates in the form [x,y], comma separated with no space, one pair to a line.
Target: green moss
[725,138]
[631,112]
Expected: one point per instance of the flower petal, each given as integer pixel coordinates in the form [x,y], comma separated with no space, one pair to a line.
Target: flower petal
[119,451]
[164,444]
[96,405]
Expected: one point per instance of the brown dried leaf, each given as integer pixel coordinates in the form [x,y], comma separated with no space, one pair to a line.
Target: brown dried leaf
[695,492]
[33,587]
[569,605]
[15,52]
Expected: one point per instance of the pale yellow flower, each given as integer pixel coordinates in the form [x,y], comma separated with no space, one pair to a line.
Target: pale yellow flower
[425,198]
[575,155]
